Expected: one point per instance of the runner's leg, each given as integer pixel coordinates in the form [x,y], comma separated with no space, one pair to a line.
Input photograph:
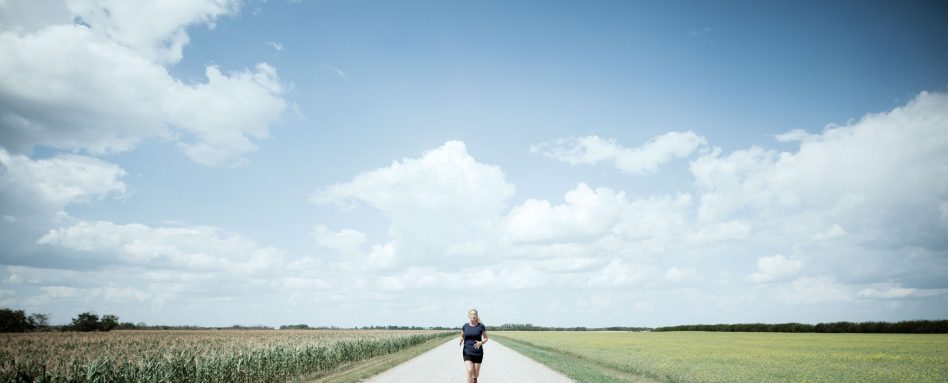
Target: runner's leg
[470,370]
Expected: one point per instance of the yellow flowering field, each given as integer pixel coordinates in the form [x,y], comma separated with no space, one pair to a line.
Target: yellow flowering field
[753,357]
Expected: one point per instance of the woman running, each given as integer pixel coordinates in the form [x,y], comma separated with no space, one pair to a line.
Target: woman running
[473,337]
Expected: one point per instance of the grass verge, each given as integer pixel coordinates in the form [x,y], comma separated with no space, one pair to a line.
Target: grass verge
[359,371]
[575,367]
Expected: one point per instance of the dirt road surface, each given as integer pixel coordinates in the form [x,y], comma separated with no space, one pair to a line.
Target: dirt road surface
[443,364]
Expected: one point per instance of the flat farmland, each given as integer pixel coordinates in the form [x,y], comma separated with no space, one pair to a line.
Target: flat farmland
[589,356]
[193,355]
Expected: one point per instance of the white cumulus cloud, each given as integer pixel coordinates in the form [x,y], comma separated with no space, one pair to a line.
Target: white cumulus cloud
[382,256]
[814,290]
[775,268]
[443,198]
[834,231]
[188,248]
[680,274]
[587,215]
[730,230]
[155,29]
[345,242]
[795,135]
[58,181]
[875,171]
[645,159]
[620,273]
[100,84]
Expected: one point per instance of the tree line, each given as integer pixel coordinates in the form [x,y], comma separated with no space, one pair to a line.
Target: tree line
[389,327]
[18,321]
[406,328]
[530,327]
[904,327]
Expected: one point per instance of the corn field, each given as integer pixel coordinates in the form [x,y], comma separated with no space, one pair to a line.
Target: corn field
[192,355]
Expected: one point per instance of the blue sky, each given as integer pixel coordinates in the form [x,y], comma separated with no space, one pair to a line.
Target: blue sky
[560,163]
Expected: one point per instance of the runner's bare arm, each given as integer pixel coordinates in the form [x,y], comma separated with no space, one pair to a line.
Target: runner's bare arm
[482,341]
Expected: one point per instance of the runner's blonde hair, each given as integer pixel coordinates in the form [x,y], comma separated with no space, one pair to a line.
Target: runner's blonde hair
[475,313]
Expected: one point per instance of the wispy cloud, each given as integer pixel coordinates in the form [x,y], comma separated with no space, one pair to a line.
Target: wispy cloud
[275,45]
[704,37]
[896,291]
[645,159]
[339,72]
[699,32]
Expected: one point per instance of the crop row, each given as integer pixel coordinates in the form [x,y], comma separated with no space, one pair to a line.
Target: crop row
[235,361]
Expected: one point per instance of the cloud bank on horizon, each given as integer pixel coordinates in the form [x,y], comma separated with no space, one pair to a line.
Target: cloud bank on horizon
[846,223]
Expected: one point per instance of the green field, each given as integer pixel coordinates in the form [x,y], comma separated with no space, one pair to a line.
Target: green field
[594,356]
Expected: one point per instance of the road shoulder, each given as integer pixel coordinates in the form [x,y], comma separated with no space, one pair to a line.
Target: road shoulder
[362,370]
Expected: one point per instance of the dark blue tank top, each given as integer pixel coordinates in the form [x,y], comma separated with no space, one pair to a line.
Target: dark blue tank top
[473,334]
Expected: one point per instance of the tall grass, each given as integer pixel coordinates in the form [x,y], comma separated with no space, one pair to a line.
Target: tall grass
[192,356]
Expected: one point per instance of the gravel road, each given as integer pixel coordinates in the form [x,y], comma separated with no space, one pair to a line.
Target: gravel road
[444,364]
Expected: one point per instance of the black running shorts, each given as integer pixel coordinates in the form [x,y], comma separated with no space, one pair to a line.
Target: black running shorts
[473,358]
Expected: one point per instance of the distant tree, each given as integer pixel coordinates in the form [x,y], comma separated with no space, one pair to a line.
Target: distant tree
[14,321]
[38,320]
[85,322]
[916,327]
[294,327]
[126,326]
[90,322]
[108,322]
